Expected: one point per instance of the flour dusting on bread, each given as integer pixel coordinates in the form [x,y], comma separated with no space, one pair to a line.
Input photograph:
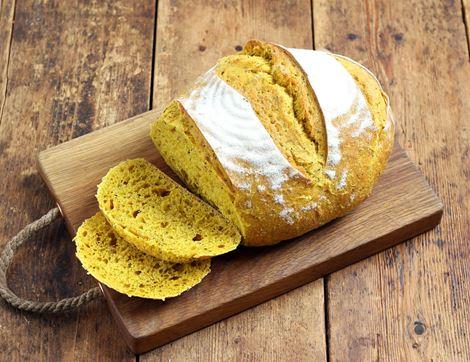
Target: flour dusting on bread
[341,100]
[232,128]
[238,138]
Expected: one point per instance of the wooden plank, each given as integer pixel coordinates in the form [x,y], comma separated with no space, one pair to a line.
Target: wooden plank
[210,30]
[7,12]
[73,67]
[245,336]
[389,216]
[410,302]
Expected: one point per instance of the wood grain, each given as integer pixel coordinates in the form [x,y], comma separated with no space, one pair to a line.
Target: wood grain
[72,67]
[7,12]
[263,333]
[389,216]
[203,32]
[410,302]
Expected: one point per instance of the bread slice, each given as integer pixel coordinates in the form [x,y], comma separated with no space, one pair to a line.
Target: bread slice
[161,218]
[123,267]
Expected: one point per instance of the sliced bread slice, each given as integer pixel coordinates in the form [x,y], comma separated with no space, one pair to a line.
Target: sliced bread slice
[123,267]
[160,217]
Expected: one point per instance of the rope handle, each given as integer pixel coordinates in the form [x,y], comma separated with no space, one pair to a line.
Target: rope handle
[28,305]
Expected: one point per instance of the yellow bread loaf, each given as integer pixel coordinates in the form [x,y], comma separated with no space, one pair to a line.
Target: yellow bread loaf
[161,218]
[280,140]
[123,267]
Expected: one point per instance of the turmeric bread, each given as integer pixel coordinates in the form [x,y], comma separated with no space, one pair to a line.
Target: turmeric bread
[123,267]
[279,140]
[158,216]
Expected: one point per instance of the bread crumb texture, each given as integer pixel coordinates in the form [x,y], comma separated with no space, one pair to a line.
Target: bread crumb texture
[161,218]
[121,266]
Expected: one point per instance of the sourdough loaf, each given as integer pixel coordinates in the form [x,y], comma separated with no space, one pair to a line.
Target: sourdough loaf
[279,140]
[148,209]
[123,267]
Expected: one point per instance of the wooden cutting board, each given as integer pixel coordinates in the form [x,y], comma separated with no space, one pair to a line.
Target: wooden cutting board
[401,206]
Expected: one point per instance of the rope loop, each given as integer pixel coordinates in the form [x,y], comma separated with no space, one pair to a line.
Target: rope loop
[28,305]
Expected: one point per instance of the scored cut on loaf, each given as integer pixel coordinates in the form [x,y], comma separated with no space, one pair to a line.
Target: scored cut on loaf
[121,266]
[279,140]
[160,217]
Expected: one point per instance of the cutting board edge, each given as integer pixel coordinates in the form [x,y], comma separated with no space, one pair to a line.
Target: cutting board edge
[47,181]
[141,343]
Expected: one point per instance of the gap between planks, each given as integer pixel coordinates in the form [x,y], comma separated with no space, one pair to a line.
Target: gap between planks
[152,80]
[154,57]
[465,19]
[325,278]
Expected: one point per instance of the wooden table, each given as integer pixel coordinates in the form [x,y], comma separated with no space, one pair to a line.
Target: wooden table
[70,67]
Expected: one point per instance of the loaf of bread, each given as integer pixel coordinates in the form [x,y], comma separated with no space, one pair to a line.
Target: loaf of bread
[148,209]
[123,267]
[279,140]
